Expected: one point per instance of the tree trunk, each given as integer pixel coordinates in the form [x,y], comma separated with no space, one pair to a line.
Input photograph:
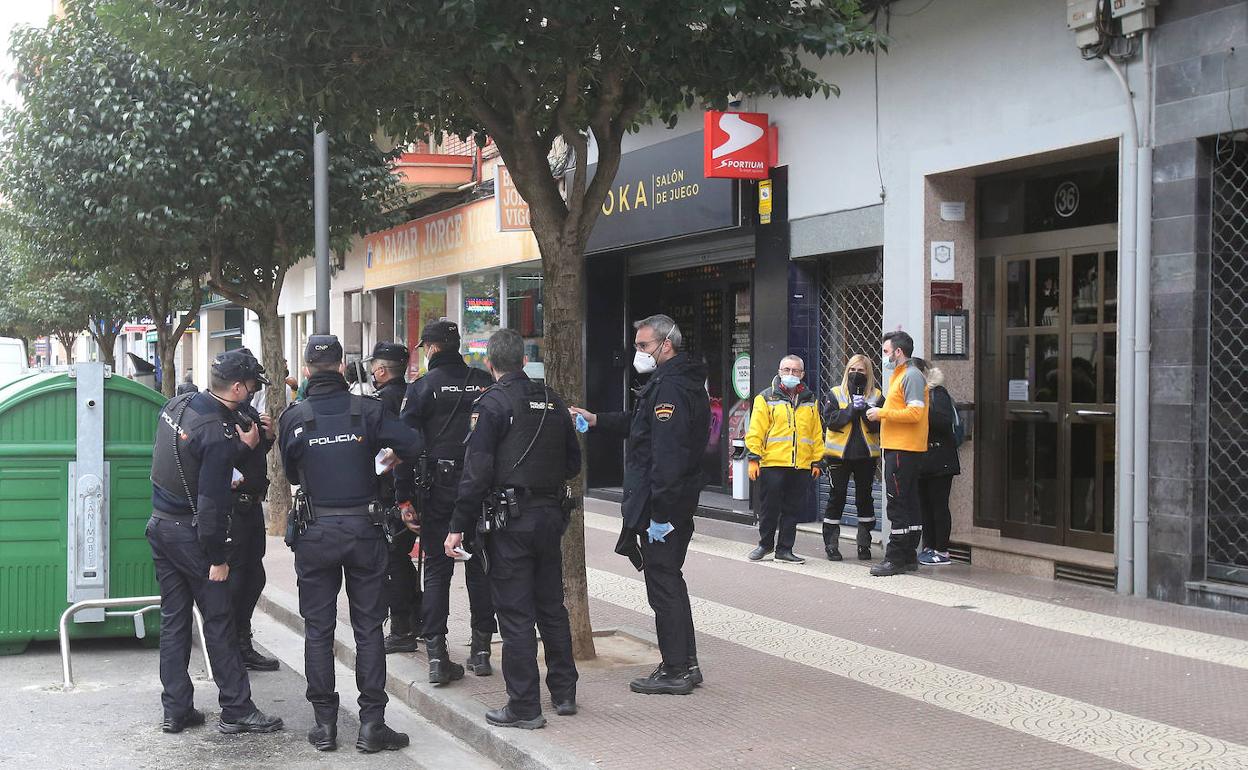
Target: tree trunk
[107,342]
[274,361]
[166,349]
[67,340]
[564,315]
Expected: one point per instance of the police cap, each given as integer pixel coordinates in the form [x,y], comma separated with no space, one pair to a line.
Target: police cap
[239,366]
[389,351]
[441,333]
[323,349]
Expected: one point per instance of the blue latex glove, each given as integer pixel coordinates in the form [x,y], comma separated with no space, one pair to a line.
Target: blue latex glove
[860,403]
[656,531]
[582,425]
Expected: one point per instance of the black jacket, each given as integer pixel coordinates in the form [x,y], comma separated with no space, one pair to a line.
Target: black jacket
[941,458]
[667,431]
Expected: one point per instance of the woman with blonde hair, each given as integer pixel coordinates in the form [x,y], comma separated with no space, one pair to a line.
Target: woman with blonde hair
[851,449]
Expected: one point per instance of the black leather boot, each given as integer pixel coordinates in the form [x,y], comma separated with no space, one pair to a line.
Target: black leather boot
[832,540]
[377,736]
[324,736]
[479,655]
[400,643]
[441,669]
[864,540]
[665,680]
[252,659]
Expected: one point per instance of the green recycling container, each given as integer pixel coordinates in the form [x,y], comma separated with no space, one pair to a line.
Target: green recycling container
[75,496]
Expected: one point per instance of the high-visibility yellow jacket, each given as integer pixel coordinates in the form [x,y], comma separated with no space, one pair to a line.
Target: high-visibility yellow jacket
[903,418]
[785,431]
[840,419]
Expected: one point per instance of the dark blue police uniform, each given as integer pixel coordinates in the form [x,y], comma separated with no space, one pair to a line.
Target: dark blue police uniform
[246,545]
[196,447]
[439,405]
[523,439]
[328,444]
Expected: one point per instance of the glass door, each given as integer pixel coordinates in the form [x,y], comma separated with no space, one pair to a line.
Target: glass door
[1055,321]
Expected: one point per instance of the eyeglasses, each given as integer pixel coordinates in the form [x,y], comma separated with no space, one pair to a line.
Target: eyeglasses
[792,370]
[643,346]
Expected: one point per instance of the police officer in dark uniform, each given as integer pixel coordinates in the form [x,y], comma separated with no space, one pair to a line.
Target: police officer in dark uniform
[438,405]
[522,444]
[388,367]
[198,443]
[667,432]
[246,545]
[329,443]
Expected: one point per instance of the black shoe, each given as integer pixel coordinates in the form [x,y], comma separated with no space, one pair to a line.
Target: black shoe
[441,669]
[324,737]
[758,553]
[864,554]
[664,681]
[255,722]
[400,643]
[479,655]
[785,554]
[505,718]
[912,566]
[834,553]
[695,672]
[254,661]
[565,708]
[377,736]
[172,724]
[887,568]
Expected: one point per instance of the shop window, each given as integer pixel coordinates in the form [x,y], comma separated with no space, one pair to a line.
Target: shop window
[415,306]
[524,315]
[482,315]
[233,318]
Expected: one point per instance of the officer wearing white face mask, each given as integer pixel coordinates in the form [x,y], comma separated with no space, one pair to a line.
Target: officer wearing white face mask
[667,432]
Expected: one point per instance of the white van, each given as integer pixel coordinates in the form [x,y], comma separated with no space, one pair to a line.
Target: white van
[12,358]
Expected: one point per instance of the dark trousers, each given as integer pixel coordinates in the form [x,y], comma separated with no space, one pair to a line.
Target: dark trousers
[781,493]
[331,548]
[934,502]
[403,583]
[862,471]
[526,578]
[182,571]
[246,559]
[439,568]
[901,484]
[669,595]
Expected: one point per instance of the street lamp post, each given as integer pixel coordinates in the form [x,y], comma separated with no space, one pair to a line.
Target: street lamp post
[320,201]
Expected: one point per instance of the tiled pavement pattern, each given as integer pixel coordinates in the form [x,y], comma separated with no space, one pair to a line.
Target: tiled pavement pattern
[807,671]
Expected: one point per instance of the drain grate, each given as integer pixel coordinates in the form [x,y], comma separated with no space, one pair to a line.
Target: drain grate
[960,553]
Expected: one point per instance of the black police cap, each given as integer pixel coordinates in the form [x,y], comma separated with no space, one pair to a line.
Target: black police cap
[323,349]
[389,351]
[440,333]
[239,366]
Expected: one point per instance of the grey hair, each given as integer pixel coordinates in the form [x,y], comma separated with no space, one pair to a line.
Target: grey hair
[505,351]
[663,327]
[394,368]
[791,357]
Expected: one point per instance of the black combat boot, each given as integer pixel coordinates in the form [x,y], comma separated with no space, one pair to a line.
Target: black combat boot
[400,643]
[695,672]
[832,540]
[864,540]
[377,736]
[441,668]
[479,655]
[253,660]
[324,736]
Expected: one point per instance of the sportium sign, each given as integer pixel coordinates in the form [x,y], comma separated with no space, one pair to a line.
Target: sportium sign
[738,145]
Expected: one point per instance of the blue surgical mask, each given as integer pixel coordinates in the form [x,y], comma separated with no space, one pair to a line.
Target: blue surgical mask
[790,381]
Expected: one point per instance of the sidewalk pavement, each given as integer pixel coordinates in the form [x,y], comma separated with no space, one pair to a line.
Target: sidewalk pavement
[821,666]
[111,719]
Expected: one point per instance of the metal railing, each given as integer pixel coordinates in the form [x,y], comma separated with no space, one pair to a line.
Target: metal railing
[149,603]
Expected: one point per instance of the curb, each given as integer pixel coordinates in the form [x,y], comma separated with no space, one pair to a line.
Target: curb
[452,710]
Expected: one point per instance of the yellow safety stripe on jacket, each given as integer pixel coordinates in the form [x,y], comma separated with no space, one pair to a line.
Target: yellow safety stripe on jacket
[836,439]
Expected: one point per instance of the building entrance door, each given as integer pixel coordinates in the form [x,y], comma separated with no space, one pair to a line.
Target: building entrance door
[1050,391]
